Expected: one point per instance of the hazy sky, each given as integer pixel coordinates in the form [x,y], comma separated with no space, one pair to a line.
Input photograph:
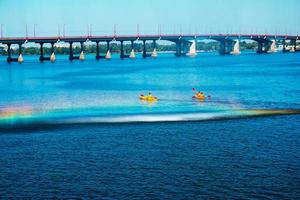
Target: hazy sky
[203,16]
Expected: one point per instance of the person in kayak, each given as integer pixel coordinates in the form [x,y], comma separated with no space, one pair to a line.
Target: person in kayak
[148,97]
[142,97]
[198,95]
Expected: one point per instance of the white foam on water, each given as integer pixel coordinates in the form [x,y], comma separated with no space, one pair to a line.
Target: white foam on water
[151,118]
[178,117]
[66,119]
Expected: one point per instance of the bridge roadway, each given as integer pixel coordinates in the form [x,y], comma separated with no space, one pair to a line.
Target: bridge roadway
[183,42]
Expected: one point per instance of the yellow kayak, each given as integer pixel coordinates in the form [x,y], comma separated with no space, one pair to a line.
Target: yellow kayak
[199,97]
[148,98]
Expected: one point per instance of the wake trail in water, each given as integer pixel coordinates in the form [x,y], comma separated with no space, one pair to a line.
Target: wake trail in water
[48,122]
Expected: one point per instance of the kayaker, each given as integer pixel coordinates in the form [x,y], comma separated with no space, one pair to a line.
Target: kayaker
[143,97]
[199,94]
[148,97]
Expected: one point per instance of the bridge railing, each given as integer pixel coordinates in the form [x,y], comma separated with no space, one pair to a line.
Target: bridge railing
[152,36]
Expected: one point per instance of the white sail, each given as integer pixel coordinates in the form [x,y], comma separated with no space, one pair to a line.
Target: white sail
[236,48]
[20,58]
[193,49]
[273,47]
[81,56]
[52,57]
[154,53]
[132,54]
[108,55]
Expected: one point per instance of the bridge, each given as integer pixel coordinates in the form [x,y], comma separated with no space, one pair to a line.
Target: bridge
[185,44]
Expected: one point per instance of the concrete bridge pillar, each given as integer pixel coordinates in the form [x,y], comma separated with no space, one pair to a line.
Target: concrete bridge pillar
[260,47]
[144,49]
[132,45]
[223,44]
[41,52]
[132,53]
[71,55]
[178,48]
[263,45]
[9,53]
[122,50]
[145,55]
[108,46]
[154,53]
[226,46]
[182,48]
[97,50]
[185,47]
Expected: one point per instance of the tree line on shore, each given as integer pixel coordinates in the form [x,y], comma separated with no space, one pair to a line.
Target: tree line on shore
[115,48]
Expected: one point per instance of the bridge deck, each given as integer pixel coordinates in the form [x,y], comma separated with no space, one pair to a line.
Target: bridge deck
[170,37]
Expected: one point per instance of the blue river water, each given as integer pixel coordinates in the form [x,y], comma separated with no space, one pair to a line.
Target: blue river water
[78,129]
